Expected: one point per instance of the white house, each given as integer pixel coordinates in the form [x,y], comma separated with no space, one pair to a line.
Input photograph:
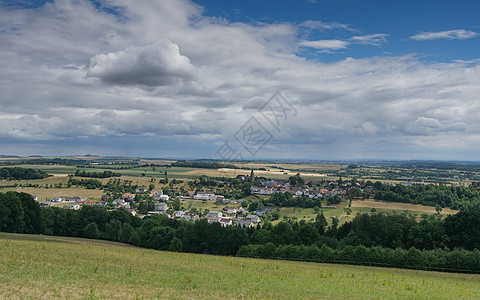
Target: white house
[120,203]
[253,218]
[191,216]
[244,223]
[163,198]
[161,207]
[201,196]
[57,199]
[214,216]
[74,206]
[141,189]
[226,221]
[179,214]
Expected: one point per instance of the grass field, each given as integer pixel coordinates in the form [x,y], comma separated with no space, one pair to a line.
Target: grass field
[38,267]
[399,206]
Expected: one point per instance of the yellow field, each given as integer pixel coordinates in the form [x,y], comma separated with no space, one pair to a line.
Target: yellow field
[47,194]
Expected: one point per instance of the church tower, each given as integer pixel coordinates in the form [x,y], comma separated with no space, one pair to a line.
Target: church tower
[252,176]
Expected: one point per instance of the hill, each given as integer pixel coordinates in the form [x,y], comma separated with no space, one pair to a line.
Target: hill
[33,266]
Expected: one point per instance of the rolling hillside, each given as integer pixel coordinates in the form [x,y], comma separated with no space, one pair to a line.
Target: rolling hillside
[33,267]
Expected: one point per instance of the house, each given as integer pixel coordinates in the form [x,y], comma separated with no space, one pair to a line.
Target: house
[128,196]
[201,196]
[35,198]
[102,203]
[155,192]
[260,213]
[161,207]
[179,214]
[253,218]
[141,189]
[224,221]
[191,216]
[266,208]
[214,216]
[216,198]
[244,223]
[159,196]
[57,199]
[120,203]
[214,213]
[242,210]
[74,206]
[163,198]
[74,199]
[105,197]
[230,210]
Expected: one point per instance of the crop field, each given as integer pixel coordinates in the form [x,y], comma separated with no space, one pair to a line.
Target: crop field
[40,267]
[46,194]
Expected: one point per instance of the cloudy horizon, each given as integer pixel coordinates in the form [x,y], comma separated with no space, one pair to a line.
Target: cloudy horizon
[183,79]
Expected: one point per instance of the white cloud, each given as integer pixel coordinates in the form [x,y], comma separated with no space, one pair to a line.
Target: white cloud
[325,44]
[371,39]
[154,65]
[458,34]
[321,26]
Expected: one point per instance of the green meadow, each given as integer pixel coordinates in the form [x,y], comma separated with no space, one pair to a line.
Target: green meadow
[43,267]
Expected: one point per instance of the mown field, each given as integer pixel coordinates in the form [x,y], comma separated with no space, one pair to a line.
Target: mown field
[38,267]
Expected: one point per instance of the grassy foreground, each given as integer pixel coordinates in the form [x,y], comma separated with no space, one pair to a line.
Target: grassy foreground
[33,267]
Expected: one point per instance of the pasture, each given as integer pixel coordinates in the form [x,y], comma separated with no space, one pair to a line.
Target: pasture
[40,267]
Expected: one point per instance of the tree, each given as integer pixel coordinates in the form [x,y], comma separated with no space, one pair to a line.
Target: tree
[11,213]
[91,231]
[176,204]
[282,233]
[175,245]
[463,230]
[321,223]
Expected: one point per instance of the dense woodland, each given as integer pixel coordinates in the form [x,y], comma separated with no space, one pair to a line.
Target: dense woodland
[455,197]
[390,240]
[17,173]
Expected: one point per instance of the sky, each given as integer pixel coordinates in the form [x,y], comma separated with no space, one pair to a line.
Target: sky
[215,79]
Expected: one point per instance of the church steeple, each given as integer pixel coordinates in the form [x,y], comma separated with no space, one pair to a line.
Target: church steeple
[252,176]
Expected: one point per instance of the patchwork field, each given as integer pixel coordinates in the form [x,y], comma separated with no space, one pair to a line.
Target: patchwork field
[39,267]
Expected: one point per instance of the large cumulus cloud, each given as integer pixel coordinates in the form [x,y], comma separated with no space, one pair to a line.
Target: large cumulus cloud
[154,65]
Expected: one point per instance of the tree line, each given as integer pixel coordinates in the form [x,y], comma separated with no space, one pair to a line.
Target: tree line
[394,240]
[455,197]
[22,173]
[104,174]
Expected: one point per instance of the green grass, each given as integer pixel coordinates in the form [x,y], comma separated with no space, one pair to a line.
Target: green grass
[36,267]
[308,214]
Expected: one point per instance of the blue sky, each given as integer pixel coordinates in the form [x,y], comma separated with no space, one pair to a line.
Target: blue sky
[325,79]
[399,20]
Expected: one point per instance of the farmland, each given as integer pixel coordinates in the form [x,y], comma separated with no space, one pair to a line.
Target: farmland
[143,172]
[39,267]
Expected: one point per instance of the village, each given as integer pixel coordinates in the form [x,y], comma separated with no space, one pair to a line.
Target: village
[236,212]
